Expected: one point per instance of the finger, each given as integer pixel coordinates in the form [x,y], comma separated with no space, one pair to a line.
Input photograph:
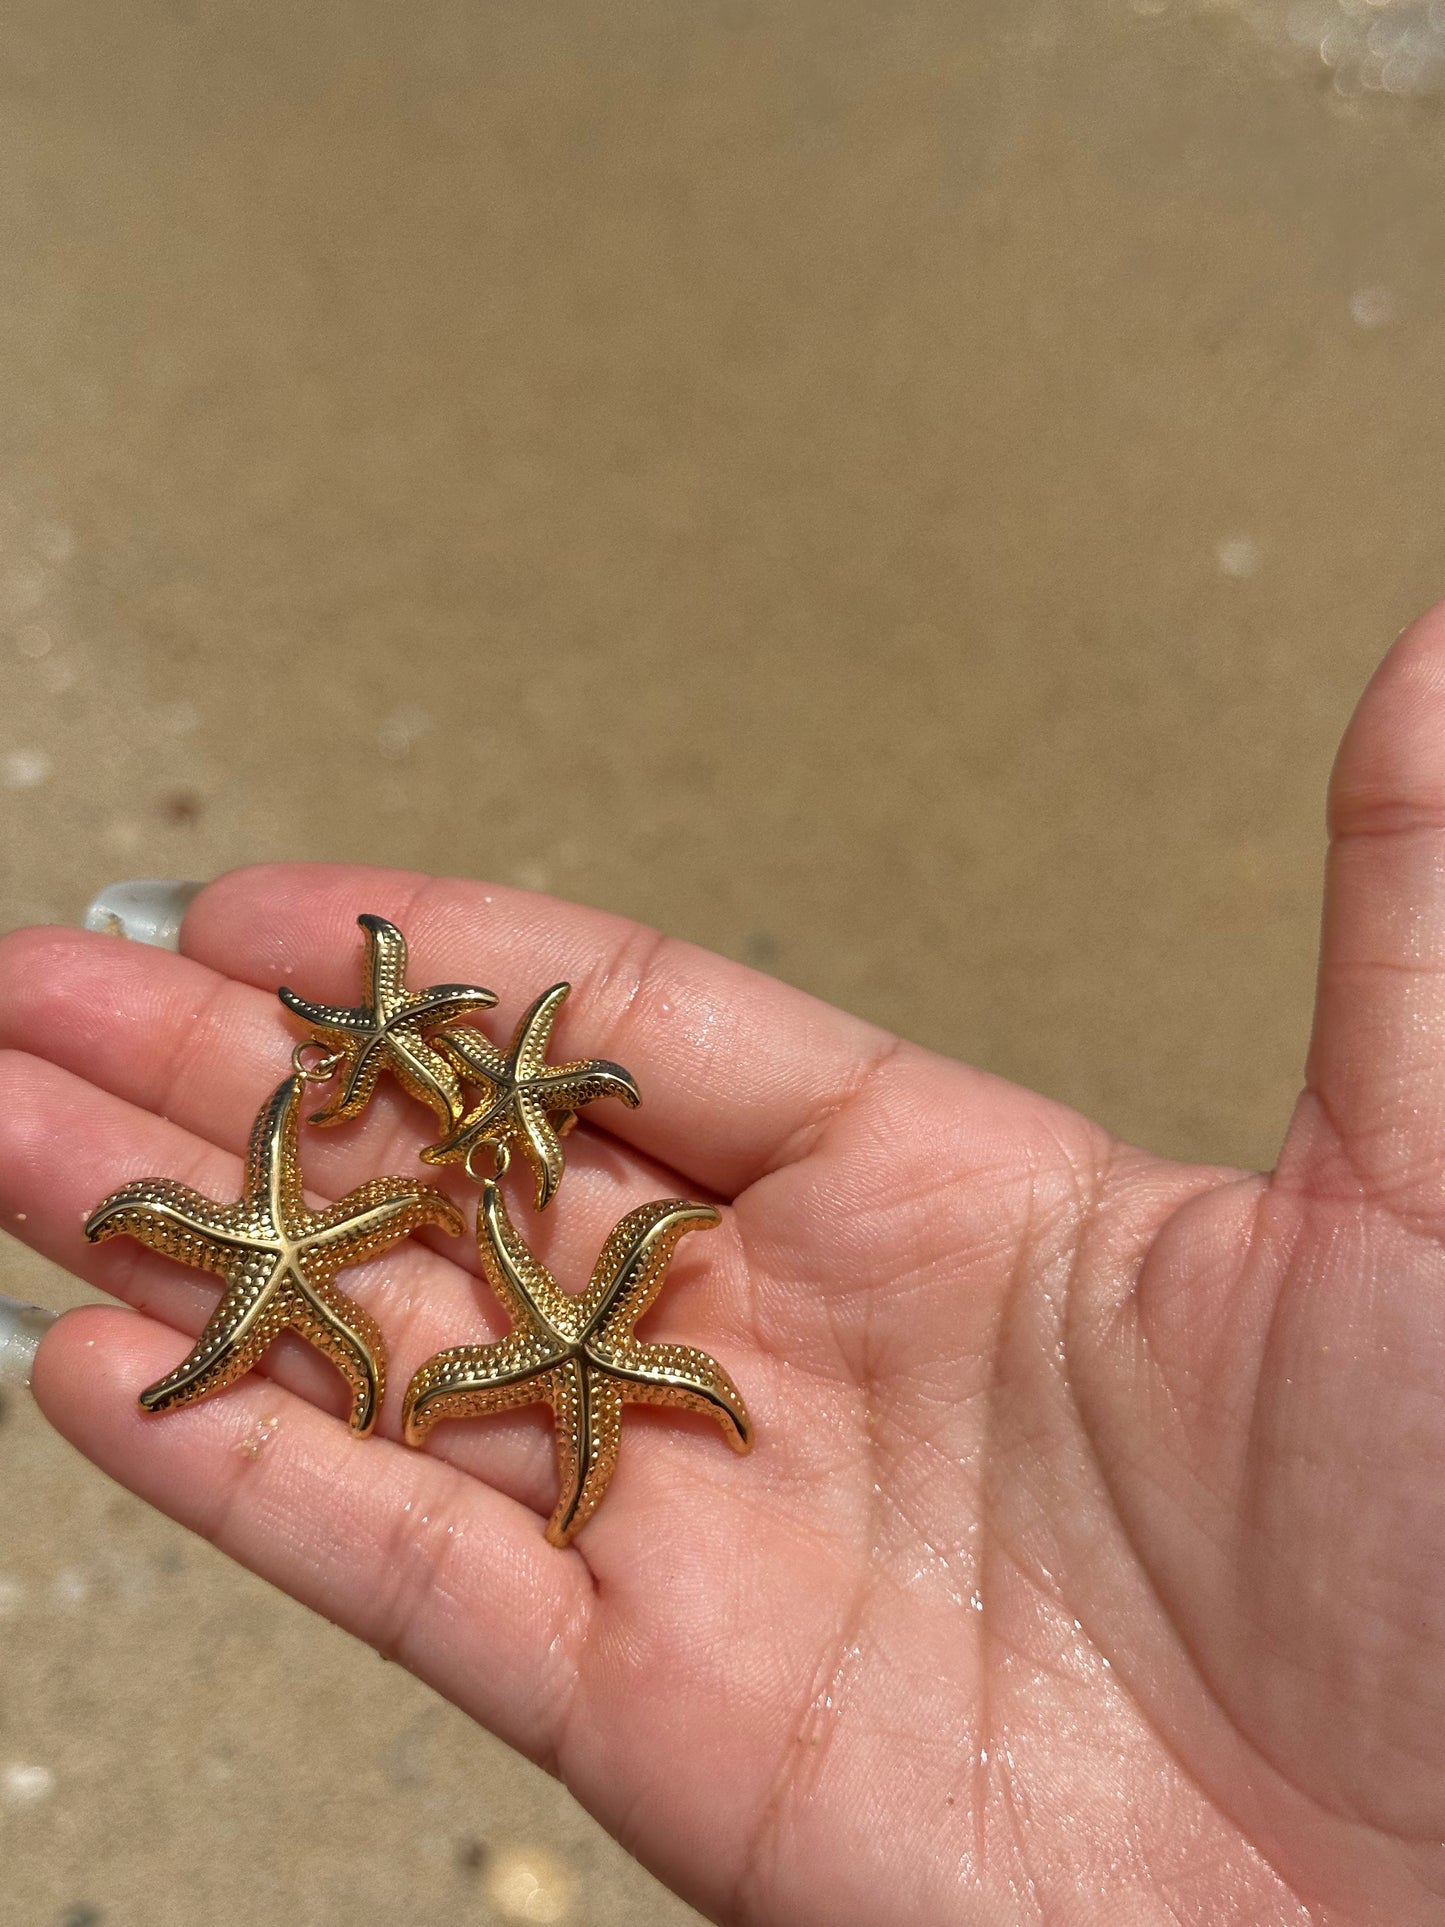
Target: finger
[1373,1118]
[430,1567]
[64,1145]
[177,1038]
[738,1072]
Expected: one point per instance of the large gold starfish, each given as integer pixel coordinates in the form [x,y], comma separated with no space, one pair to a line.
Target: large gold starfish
[388,1030]
[523,1093]
[278,1260]
[578,1354]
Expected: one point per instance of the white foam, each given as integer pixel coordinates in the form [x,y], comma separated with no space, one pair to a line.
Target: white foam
[1371,46]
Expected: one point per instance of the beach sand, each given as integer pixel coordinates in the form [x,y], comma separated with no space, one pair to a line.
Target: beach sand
[905,496]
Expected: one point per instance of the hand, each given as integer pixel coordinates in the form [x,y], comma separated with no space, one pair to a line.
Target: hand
[1090,1567]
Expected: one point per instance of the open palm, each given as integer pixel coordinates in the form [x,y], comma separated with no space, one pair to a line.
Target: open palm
[1090,1567]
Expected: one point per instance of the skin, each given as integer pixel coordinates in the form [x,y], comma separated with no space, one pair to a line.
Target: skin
[1090,1566]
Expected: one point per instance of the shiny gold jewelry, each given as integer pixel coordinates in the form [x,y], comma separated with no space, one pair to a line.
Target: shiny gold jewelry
[389,1030]
[523,1093]
[278,1260]
[577,1354]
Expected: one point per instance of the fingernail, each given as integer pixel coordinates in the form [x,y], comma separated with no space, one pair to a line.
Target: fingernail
[22,1327]
[147,911]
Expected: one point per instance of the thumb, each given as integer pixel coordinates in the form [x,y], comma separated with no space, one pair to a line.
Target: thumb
[1371,1123]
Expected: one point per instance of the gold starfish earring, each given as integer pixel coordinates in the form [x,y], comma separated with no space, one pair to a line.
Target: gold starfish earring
[577,1353]
[523,1093]
[389,1030]
[278,1259]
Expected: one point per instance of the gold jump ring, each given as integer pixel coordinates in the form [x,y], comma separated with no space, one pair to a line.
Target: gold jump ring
[501,1158]
[323,1069]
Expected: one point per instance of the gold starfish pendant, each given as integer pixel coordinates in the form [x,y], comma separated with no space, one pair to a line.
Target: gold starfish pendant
[389,1030]
[578,1354]
[524,1093]
[278,1260]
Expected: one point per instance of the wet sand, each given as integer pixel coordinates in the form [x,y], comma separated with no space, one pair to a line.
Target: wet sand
[906,497]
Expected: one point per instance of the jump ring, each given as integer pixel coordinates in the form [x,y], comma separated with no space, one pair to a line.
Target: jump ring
[501,1157]
[323,1069]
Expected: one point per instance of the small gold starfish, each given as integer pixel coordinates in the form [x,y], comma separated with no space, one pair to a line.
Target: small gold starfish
[578,1354]
[278,1260]
[388,1030]
[524,1093]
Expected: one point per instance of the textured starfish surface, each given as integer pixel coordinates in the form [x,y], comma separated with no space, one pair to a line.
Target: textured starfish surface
[278,1259]
[578,1353]
[527,1101]
[389,1030]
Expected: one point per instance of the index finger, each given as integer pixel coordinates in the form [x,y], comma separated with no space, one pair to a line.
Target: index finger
[739,1073]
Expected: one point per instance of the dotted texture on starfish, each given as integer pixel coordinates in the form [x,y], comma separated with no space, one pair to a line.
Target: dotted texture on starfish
[526,1101]
[390,1029]
[578,1354]
[277,1258]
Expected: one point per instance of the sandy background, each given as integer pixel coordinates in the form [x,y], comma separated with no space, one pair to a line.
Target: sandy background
[904,495]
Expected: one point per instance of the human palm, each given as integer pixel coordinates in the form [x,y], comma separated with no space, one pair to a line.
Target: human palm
[1090,1567]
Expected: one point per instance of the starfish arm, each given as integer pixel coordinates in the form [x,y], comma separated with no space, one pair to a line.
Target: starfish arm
[681,1376]
[273,1168]
[250,1314]
[477,1057]
[441,1003]
[539,1127]
[629,1273]
[428,1073]
[540,1143]
[588,1409]
[473,1381]
[364,1059]
[488,1122]
[172,1219]
[370,1220]
[569,1086]
[337,1023]
[383,966]
[530,1295]
[351,1338]
[528,1052]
